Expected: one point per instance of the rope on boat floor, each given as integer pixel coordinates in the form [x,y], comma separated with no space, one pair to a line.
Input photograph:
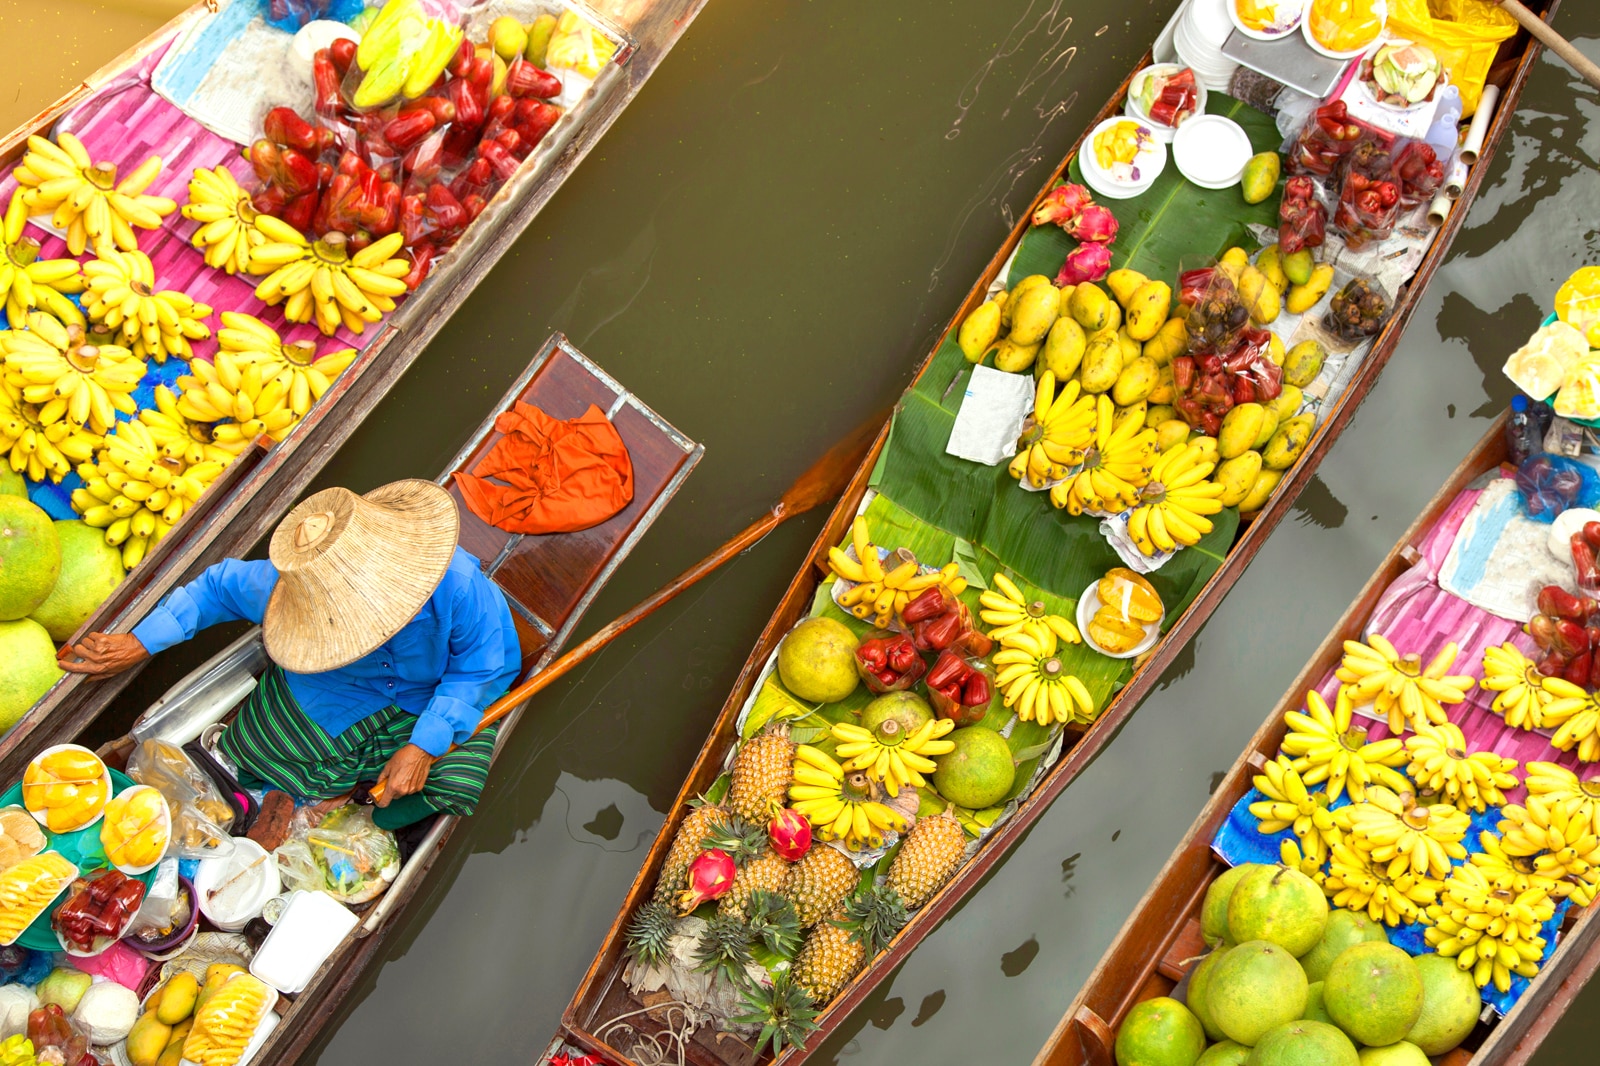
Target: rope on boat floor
[663,1048]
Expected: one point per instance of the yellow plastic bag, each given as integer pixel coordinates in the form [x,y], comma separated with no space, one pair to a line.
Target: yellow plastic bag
[1578,303]
[1464,34]
[579,47]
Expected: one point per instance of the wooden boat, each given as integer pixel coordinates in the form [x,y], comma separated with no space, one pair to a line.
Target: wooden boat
[548,580]
[1161,940]
[594,1020]
[262,485]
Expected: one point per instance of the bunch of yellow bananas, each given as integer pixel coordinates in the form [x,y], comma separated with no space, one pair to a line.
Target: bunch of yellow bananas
[243,404]
[1522,692]
[1557,784]
[1440,762]
[1399,686]
[1355,882]
[879,595]
[85,384]
[225,1023]
[121,296]
[1488,927]
[1055,439]
[1035,681]
[1393,828]
[890,756]
[1576,716]
[320,280]
[1116,465]
[37,450]
[1558,837]
[1290,855]
[1326,748]
[136,493]
[1521,872]
[1008,610]
[840,806]
[84,198]
[228,231]
[306,374]
[182,438]
[1176,501]
[1290,805]
[26,281]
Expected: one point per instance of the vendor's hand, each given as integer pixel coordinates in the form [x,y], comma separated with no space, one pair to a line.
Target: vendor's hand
[405,773]
[102,654]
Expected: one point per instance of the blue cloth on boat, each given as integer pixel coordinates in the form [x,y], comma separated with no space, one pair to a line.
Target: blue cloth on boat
[1240,840]
[447,664]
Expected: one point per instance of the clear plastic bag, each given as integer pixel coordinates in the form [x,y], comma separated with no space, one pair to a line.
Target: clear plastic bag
[1579,396]
[201,816]
[166,905]
[345,855]
[1550,484]
[98,912]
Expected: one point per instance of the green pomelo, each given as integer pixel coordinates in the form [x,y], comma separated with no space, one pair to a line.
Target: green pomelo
[1226,1053]
[1199,988]
[27,668]
[1401,1054]
[1304,1044]
[90,569]
[817,660]
[1159,1032]
[1450,1005]
[978,771]
[1374,993]
[1345,929]
[30,557]
[11,482]
[1256,987]
[1281,905]
[1214,912]
[1315,1011]
[909,711]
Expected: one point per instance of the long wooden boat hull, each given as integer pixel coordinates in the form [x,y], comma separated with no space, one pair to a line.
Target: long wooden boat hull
[602,997]
[1161,940]
[261,486]
[549,582]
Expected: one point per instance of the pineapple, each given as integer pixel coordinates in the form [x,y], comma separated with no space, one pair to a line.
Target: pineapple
[772,921]
[761,774]
[819,882]
[724,948]
[689,842]
[930,856]
[837,949]
[766,874]
[784,1013]
[651,931]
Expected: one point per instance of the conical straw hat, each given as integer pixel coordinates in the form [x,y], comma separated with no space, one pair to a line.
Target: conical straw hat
[353,570]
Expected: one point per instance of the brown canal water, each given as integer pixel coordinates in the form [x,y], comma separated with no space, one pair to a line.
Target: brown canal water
[762,248]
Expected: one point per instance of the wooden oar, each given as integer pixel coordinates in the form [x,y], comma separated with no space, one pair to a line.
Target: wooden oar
[1554,41]
[822,482]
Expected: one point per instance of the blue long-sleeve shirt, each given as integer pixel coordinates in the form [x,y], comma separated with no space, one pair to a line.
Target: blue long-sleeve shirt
[457,655]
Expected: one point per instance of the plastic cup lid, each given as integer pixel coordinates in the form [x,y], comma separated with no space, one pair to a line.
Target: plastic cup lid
[1211,151]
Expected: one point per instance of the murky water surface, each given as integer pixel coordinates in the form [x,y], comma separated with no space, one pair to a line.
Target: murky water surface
[763,247]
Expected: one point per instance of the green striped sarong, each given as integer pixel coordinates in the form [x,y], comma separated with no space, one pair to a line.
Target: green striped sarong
[274,740]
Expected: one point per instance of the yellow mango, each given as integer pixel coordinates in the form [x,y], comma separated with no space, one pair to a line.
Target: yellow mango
[173,1056]
[1303,363]
[979,330]
[1208,449]
[1270,263]
[1237,476]
[1288,442]
[1260,177]
[1137,381]
[1064,298]
[1131,349]
[1275,350]
[148,1039]
[1012,357]
[1034,313]
[1170,341]
[1239,429]
[1091,307]
[178,998]
[1157,414]
[1260,492]
[1171,432]
[1102,363]
[1303,298]
[1258,295]
[1287,404]
[1297,266]
[1166,390]
[1124,283]
[1148,309]
[1269,426]
[1063,349]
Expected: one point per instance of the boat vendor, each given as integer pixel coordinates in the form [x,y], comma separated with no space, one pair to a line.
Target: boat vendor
[386,639]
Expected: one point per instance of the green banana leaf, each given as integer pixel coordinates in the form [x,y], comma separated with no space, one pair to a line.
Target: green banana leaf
[1173,221]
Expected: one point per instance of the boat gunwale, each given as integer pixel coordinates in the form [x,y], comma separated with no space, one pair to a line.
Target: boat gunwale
[606,966]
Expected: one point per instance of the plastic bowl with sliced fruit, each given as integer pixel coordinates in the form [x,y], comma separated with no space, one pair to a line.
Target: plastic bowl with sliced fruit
[1165,95]
[66,788]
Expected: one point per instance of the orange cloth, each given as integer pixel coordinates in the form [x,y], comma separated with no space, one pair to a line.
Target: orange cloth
[558,477]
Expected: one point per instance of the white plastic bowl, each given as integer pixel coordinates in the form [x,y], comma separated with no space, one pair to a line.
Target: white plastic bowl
[1151,161]
[1299,14]
[1382,8]
[1211,151]
[1089,603]
[241,900]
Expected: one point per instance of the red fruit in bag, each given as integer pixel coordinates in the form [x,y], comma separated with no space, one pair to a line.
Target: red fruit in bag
[462,61]
[927,603]
[1570,638]
[343,53]
[409,127]
[325,79]
[1552,664]
[284,126]
[903,655]
[525,79]
[1557,602]
[422,256]
[975,691]
[873,654]
[1183,373]
[949,667]
[301,210]
[1542,628]
[939,633]
[1577,671]
[537,123]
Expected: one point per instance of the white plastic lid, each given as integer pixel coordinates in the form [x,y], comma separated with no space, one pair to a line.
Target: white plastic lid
[311,927]
[1211,151]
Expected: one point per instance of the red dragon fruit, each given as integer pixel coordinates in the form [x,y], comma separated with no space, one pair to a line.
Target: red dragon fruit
[1086,262]
[1061,204]
[790,834]
[710,876]
[1095,224]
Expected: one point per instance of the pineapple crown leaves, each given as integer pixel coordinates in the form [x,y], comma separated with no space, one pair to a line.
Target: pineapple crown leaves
[741,840]
[650,932]
[725,948]
[785,1013]
[771,919]
[873,918]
